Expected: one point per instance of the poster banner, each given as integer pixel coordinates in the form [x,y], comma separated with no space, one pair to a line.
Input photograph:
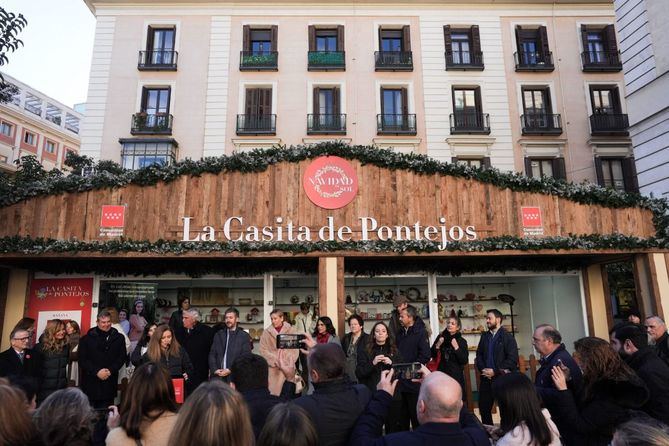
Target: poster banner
[67,299]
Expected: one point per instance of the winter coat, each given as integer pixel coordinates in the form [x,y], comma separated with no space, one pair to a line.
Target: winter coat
[520,435]
[240,344]
[101,350]
[176,365]
[370,374]
[414,347]
[351,352]
[452,361]
[31,368]
[260,402]
[274,356]
[334,408]
[505,352]
[592,422]
[176,322]
[394,326]
[197,343]
[154,433]
[662,347]
[54,371]
[655,374]
[137,353]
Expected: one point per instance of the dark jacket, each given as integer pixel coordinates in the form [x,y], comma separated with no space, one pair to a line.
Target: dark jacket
[452,361]
[31,369]
[395,325]
[197,344]
[368,373]
[136,355]
[175,365]
[239,345]
[101,350]
[592,422]
[543,380]
[334,408]
[655,374]
[505,352]
[352,356]
[662,347]
[176,322]
[260,402]
[414,347]
[346,341]
[368,429]
[54,371]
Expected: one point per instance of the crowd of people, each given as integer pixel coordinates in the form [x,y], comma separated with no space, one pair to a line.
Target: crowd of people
[190,383]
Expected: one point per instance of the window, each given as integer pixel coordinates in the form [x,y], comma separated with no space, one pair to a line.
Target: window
[160,45]
[156,105]
[463,47]
[30,138]
[467,114]
[394,102]
[50,147]
[533,49]
[600,48]
[137,154]
[257,117]
[605,100]
[483,162]
[260,41]
[326,101]
[326,111]
[617,173]
[326,49]
[326,40]
[595,46]
[460,45]
[545,167]
[6,129]
[258,101]
[536,101]
[394,50]
[607,117]
[395,117]
[391,40]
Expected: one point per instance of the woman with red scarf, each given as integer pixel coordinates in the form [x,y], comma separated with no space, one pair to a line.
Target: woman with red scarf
[325,332]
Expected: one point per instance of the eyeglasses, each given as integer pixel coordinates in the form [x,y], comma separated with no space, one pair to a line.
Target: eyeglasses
[22,339]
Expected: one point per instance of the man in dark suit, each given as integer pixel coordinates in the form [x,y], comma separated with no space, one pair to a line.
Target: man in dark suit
[19,360]
[229,344]
[195,337]
[440,413]
[497,354]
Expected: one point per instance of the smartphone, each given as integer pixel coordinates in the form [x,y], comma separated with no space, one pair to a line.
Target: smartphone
[290,340]
[409,370]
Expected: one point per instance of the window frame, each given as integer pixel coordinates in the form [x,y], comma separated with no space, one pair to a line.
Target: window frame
[616,106]
[54,144]
[34,138]
[558,169]
[12,129]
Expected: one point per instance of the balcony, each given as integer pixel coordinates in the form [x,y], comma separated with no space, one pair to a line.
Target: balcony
[326,124]
[609,124]
[534,61]
[157,60]
[464,60]
[601,61]
[396,124]
[393,60]
[259,61]
[256,124]
[151,124]
[468,123]
[541,124]
[327,61]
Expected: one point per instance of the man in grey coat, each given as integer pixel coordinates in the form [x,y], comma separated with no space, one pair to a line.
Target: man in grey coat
[229,344]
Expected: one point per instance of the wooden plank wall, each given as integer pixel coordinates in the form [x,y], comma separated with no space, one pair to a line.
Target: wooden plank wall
[392,197]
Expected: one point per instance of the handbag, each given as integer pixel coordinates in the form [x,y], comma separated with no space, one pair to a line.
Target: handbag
[433,364]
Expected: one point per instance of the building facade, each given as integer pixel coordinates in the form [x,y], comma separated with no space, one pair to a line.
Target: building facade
[35,124]
[645,52]
[535,88]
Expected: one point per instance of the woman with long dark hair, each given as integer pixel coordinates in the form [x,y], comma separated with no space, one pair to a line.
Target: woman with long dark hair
[165,349]
[453,351]
[351,342]
[379,354]
[523,422]
[73,335]
[137,323]
[55,352]
[176,319]
[325,332]
[288,425]
[143,344]
[148,412]
[610,389]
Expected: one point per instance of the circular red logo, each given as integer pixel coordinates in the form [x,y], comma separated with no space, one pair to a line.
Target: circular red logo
[330,182]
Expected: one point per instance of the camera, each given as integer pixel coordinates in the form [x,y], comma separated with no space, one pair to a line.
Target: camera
[410,370]
[290,340]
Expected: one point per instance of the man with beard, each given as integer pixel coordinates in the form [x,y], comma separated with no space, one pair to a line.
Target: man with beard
[229,344]
[496,354]
[657,331]
[195,337]
[631,342]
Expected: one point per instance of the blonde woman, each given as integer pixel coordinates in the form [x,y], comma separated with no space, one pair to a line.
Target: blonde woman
[214,415]
[55,352]
[281,361]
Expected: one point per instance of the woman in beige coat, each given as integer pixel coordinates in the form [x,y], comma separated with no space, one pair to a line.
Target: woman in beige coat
[278,359]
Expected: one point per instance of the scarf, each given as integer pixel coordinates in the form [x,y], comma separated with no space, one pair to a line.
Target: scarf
[322,338]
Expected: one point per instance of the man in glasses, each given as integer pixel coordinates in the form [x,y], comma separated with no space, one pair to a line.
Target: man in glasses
[19,360]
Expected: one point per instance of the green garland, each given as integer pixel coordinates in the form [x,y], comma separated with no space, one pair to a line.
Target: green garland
[592,242]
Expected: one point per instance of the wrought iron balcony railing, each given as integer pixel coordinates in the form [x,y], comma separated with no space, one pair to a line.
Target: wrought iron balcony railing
[151,124]
[609,124]
[327,60]
[464,60]
[157,60]
[470,123]
[256,124]
[534,61]
[601,61]
[541,124]
[326,124]
[393,60]
[259,60]
[396,124]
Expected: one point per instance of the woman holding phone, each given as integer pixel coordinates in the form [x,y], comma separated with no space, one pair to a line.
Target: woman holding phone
[452,349]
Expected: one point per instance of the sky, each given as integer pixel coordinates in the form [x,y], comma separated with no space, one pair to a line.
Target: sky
[58,43]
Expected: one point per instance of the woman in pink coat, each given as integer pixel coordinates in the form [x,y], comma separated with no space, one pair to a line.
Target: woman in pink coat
[277,359]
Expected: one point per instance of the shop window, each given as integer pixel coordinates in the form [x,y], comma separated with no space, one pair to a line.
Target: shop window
[621,289]
[137,154]
[6,129]
[617,173]
[30,138]
[545,167]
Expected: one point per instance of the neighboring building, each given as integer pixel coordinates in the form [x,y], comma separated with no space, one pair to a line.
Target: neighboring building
[35,124]
[491,84]
[644,42]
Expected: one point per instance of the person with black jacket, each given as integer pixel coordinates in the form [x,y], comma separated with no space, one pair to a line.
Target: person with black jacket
[379,353]
[176,319]
[196,339]
[610,392]
[55,354]
[657,331]
[351,342]
[453,351]
[101,355]
[19,360]
[631,342]
[414,347]
[336,403]
[229,344]
[143,344]
[165,349]
[496,354]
